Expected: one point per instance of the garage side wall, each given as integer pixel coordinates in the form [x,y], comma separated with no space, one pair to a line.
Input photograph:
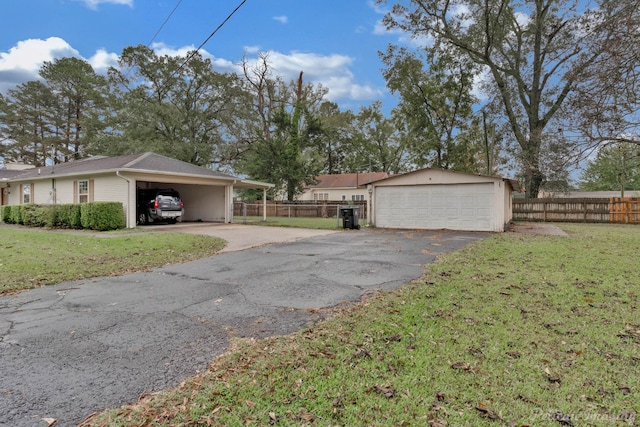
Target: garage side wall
[202,202]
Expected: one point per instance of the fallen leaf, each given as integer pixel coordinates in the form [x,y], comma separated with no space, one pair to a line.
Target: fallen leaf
[486,412]
[49,421]
[563,419]
[385,390]
[624,389]
[461,365]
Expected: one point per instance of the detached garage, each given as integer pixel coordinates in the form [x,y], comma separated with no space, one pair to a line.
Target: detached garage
[436,199]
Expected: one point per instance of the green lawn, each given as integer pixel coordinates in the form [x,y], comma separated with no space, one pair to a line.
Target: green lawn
[515,330]
[33,257]
[313,223]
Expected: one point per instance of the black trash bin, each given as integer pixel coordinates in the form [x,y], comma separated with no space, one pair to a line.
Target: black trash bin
[349,216]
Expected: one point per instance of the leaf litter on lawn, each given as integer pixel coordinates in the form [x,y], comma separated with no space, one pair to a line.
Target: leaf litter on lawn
[497,333]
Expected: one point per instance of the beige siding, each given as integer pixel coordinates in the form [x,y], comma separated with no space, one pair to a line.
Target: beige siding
[110,189]
[64,191]
[335,194]
[41,192]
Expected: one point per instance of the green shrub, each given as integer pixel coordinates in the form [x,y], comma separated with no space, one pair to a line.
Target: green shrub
[86,215]
[37,215]
[75,215]
[102,216]
[16,214]
[5,214]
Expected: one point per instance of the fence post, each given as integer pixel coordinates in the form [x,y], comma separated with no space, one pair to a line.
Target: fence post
[244,211]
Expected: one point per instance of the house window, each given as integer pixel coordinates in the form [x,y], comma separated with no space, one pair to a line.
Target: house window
[26,193]
[320,196]
[357,197]
[83,191]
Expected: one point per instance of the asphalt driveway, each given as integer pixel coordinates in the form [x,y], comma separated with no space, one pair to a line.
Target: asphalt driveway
[69,350]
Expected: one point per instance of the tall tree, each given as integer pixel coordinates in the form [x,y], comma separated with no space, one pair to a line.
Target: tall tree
[282,142]
[535,53]
[615,167]
[26,129]
[606,107]
[335,141]
[77,107]
[176,106]
[377,145]
[435,106]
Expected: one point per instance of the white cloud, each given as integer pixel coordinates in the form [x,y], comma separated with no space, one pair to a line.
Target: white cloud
[522,18]
[93,4]
[162,49]
[102,60]
[331,71]
[23,61]
[282,19]
[30,54]
[252,49]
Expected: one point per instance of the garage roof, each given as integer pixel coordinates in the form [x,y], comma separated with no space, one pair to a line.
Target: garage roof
[514,184]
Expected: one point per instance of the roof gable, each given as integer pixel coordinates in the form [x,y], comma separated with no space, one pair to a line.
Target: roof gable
[440,176]
[347,180]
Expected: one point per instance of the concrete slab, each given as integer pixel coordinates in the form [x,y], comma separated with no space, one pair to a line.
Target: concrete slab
[242,236]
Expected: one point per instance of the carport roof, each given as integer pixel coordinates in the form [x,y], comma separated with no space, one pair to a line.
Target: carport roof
[142,162]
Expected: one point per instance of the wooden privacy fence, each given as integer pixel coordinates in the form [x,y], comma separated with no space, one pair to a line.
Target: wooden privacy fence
[621,210]
[308,209]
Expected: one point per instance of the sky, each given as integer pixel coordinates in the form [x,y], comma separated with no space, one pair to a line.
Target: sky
[334,42]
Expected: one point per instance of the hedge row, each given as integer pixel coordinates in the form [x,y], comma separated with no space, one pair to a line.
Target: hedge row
[101,216]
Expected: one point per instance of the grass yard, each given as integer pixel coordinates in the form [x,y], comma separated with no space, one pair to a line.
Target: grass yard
[32,257]
[515,330]
[313,223]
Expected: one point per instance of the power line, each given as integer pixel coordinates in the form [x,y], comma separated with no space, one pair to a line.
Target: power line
[164,23]
[193,53]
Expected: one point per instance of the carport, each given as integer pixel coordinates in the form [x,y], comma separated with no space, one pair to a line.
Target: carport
[207,195]
[434,199]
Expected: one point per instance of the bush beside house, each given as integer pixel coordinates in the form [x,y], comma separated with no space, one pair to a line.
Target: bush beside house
[100,216]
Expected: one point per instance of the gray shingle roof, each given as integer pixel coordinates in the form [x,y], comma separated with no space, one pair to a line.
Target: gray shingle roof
[150,162]
[8,174]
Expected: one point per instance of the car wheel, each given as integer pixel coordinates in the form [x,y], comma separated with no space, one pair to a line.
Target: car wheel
[142,219]
[172,220]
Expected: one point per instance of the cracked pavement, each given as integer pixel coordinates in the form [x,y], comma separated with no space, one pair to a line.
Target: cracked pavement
[69,350]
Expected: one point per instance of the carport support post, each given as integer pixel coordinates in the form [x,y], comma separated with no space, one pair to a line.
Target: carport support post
[264,204]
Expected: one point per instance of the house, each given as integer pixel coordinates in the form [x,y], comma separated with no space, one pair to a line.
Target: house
[341,187]
[435,199]
[207,194]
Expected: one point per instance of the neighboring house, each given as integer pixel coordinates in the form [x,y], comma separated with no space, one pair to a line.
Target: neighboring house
[207,194]
[341,187]
[436,199]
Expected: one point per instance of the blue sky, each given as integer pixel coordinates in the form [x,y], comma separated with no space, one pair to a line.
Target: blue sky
[335,42]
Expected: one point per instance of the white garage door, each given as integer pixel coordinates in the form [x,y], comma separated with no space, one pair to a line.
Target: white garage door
[467,207]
